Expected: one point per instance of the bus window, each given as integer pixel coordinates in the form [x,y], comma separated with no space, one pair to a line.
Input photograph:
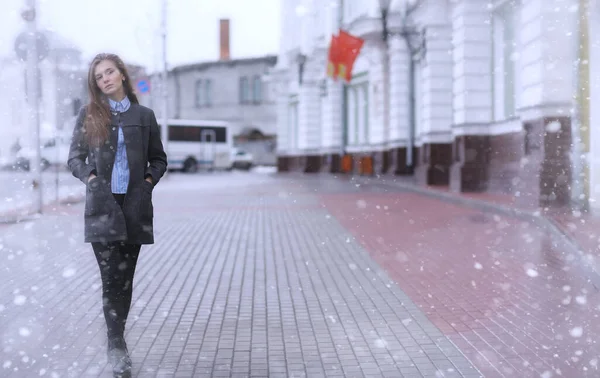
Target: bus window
[195,133]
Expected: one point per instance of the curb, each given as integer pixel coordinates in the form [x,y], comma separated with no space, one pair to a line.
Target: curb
[24,213]
[563,243]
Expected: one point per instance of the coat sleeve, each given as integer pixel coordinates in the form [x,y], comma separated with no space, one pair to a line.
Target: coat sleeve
[79,151]
[157,158]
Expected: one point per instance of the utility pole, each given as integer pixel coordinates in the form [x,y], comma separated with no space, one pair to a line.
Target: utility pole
[164,130]
[29,15]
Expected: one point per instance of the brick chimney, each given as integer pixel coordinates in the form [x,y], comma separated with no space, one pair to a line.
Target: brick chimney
[224,39]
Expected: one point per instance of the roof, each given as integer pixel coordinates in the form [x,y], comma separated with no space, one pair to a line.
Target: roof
[268,59]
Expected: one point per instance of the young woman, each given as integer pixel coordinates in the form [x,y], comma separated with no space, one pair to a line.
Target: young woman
[117,152]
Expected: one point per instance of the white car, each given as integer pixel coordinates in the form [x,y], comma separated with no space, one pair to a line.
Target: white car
[54,152]
[241,160]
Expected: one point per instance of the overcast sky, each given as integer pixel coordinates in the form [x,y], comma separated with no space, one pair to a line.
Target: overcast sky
[131,27]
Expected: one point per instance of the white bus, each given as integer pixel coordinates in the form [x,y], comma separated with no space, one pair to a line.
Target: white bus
[199,144]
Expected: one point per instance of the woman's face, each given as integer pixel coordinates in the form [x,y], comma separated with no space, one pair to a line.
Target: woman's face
[110,80]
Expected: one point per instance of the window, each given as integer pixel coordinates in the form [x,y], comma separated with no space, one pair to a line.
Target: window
[504,61]
[358,112]
[244,91]
[257,90]
[365,112]
[418,103]
[207,92]
[198,92]
[353,113]
[293,125]
[179,133]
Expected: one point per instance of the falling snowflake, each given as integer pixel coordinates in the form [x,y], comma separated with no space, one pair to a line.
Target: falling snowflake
[553,127]
[68,272]
[532,272]
[24,331]
[20,300]
[478,266]
[576,332]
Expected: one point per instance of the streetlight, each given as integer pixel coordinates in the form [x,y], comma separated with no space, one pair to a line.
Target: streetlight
[384,7]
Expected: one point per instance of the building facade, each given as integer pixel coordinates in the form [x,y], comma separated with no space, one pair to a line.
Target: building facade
[475,95]
[233,90]
[62,84]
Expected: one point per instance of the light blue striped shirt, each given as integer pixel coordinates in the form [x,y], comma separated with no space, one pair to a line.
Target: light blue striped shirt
[120,172]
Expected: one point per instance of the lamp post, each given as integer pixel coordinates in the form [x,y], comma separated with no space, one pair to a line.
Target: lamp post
[384,7]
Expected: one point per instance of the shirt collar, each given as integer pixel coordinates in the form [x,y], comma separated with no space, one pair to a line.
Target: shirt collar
[121,106]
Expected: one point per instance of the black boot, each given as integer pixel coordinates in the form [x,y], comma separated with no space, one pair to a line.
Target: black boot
[118,357]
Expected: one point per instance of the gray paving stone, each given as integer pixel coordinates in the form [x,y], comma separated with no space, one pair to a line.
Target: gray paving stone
[280,289]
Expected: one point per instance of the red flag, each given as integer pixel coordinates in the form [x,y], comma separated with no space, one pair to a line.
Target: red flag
[332,59]
[349,47]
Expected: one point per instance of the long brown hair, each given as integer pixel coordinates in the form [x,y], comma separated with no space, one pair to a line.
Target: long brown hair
[97,118]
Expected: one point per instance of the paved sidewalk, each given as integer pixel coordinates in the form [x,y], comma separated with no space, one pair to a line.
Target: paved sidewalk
[251,275]
[496,286]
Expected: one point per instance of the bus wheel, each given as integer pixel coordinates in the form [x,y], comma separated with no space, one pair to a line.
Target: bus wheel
[190,166]
[44,164]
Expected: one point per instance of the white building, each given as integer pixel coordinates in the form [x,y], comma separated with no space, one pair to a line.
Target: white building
[493,93]
[62,82]
[231,89]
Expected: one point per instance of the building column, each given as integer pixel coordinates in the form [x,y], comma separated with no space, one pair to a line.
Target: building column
[395,158]
[435,154]
[594,50]
[472,102]
[309,119]
[545,173]
[331,125]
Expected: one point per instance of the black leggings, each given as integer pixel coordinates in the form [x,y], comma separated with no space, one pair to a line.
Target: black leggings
[117,262]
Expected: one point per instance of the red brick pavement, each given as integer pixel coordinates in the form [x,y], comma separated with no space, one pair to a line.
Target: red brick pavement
[583,228]
[493,285]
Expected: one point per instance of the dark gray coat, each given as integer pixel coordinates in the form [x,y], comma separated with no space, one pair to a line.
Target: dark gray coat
[105,221]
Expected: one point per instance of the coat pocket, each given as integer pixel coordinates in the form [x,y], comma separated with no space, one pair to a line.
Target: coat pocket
[96,198]
[147,210]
